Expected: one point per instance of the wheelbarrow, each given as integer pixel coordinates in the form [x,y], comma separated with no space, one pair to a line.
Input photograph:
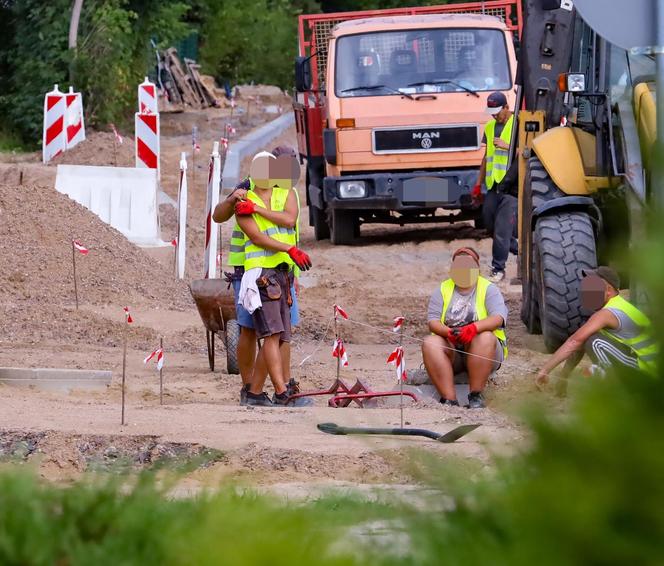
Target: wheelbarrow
[216,305]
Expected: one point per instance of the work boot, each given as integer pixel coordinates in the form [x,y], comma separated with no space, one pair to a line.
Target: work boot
[449,402]
[476,400]
[243,394]
[293,388]
[280,398]
[496,276]
[260,400]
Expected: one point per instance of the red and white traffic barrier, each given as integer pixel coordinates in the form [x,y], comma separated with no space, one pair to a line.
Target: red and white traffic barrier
[147,141]
[147,98]
[54,139]
[74,118]
[181,240]
[211,227]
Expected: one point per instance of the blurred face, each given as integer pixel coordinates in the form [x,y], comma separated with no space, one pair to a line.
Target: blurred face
[260,171]
[594,293]
[503,115]
[464,271]
[284,171]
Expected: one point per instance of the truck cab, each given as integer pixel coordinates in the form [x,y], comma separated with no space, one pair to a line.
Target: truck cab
[402,112]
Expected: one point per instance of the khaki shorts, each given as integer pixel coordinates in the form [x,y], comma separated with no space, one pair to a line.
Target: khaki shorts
[459,365]
[274,316]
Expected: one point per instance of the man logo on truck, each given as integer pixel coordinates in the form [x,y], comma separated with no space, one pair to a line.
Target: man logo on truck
[420,135]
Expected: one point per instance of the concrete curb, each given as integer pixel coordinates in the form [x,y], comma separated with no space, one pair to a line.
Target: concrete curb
[55,379]
[252,143]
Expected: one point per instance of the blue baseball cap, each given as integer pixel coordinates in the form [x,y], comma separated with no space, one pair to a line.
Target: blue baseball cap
[495,102]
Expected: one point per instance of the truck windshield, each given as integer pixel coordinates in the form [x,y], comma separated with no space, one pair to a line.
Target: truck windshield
[415,61]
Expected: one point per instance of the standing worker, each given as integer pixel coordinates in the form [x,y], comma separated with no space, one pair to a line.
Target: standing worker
[499,210]
[616,334]
[270,255]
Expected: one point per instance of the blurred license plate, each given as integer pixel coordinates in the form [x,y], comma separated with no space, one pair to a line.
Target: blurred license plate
[425,189]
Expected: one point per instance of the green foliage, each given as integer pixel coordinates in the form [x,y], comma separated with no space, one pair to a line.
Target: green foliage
[112,57]
[250,41]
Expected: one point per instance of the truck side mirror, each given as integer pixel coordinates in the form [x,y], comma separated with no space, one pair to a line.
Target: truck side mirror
[302,74]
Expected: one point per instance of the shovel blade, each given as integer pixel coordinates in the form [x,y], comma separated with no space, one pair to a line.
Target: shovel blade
[456,433]
[330,428]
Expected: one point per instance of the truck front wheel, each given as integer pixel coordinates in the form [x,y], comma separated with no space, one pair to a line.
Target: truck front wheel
[318,219]
[343,227]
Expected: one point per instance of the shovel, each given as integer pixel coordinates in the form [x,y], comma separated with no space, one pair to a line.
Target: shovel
[451,436]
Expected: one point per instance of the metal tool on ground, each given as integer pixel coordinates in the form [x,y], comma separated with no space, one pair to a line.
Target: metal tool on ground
[446,438]
[216,305]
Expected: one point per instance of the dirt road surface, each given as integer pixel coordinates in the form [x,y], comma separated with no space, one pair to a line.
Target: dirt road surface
[391,272]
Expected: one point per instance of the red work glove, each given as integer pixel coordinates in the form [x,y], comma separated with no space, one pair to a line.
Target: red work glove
[245,208]
[476,194]
[300,258]
[467,333]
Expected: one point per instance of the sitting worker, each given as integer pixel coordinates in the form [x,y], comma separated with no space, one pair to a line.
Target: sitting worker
[617,332]
[467,317]
[270,256]
[246,350]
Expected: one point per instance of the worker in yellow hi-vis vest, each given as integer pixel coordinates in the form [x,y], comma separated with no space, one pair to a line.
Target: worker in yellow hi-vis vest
[499,204]
[467,318]
[617,333]
[271,255]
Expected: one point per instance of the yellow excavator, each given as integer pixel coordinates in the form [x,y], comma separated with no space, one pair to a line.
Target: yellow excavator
[586,110]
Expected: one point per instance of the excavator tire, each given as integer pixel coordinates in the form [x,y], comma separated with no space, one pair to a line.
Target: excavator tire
[563,245]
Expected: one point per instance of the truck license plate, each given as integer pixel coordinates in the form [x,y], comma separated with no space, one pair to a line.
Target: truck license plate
[424,190]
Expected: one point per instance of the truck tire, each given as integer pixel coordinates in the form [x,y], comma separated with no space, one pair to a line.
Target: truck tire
[563,245]
[343,227]
[232,339]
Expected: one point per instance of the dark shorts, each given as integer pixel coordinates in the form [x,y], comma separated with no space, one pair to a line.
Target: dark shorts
[274,316]
[460,363]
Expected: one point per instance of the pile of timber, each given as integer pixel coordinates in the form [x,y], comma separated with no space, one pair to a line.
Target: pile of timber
[183,85]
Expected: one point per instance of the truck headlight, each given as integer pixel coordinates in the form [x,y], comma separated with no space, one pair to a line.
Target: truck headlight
[352,189]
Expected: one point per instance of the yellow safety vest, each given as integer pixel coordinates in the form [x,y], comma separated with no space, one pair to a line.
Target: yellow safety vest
[238,241]
[496,158]
[644,346]
[447,290]
[256,256]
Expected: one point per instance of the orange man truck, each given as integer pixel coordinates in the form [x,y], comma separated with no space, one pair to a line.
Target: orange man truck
[390,110]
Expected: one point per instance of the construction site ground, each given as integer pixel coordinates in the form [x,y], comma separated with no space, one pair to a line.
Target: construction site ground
[390,272]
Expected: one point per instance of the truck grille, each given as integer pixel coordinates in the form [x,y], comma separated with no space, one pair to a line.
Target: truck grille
[426,139]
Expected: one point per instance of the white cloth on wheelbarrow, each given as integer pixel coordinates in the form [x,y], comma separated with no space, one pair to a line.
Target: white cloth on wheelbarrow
[249,296]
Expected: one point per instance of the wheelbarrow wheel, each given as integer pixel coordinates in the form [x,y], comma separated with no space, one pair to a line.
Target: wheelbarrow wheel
[232,339]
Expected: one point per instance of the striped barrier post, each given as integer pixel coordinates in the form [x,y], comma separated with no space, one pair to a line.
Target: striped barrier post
[211,227]
[181,242]
[147,141]
[54,139]
[147,98]
[74,114]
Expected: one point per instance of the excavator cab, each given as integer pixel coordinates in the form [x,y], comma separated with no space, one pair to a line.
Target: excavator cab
[586,126]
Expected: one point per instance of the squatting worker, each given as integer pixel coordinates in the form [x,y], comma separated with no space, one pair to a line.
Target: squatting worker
[246,350]
[499,209]
[617,332]
[270,256]
[467,317]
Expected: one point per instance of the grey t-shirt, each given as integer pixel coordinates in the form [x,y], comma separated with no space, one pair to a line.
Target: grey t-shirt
[461,310]
[496,132]
[627,329]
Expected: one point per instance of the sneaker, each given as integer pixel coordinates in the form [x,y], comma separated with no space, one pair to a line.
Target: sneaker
[260,400]
[496,276]
[293,388]
[280,398]
[449,402]
[243,394]
[476,400]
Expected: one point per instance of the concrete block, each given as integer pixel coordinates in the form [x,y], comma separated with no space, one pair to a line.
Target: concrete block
[53,379]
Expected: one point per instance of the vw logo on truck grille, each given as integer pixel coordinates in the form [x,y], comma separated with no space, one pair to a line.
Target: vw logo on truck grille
[458,137]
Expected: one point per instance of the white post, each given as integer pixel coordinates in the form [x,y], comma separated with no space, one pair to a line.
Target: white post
[181,248]
[211,227]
